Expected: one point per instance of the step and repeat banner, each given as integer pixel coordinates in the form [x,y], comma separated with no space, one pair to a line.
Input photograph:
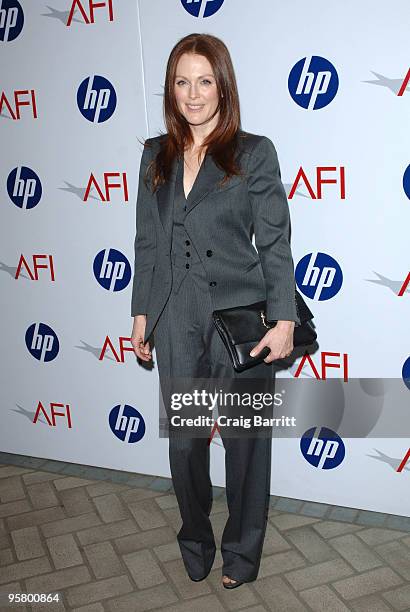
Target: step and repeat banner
[81,87]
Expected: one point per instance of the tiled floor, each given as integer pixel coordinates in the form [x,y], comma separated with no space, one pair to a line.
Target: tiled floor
[105,540]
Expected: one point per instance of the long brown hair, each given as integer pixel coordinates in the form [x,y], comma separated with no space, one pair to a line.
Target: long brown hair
[221,143]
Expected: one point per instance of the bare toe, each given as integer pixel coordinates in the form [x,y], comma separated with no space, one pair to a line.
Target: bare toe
[228,580]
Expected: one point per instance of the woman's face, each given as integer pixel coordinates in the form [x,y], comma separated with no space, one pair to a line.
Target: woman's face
[195,89]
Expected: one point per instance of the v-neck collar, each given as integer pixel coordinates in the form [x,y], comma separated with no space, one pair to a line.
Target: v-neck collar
[207,181]
[181,159]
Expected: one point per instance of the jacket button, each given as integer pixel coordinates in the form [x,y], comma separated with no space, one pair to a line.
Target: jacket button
[212,284]
[209,253]
[188,254]
[184,207]
[187,242]
[187,266]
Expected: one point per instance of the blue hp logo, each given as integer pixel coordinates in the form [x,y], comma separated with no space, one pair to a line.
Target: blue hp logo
[313,82]
[112,270]
[42,342]
[96,99]
[322,448]
[11,19]
[319,277]
[127,423]
[202,8]
[406,372]
[406,182]
[24,187]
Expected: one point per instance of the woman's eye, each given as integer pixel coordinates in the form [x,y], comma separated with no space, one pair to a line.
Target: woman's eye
[204,82]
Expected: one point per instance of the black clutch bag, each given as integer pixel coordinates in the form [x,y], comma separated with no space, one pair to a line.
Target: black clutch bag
[242,327]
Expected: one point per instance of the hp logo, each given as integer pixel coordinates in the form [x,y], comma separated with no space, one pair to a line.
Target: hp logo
[202,8]
[319,277]
[42,342]
[11,19]
[406,182]
[406,372]
[322,448]
[127,423]
[112,270]
[313,82]
[96,99]
[24,187]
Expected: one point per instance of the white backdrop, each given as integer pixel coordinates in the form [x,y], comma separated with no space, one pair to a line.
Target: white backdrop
[46,56]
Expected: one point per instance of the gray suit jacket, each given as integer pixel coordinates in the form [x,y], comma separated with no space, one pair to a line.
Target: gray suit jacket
[220,222]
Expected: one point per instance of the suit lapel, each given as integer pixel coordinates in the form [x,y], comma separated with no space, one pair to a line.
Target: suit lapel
[165,200]
[207,180]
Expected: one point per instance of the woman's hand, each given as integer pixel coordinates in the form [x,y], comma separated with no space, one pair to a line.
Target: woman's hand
[141,350]
[279,339]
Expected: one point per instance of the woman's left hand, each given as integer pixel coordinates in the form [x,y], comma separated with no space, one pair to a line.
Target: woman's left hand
[279,339]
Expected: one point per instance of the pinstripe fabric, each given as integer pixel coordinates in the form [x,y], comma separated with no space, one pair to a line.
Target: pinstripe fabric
[187,345]
[220,220]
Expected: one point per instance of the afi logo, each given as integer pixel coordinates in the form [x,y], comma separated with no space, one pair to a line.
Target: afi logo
[24,187]
[96,99]
[322,448]
[319,277]
[50,413]
[406,182]
[404,286]
[320,372]
[89,18]
[397,86]
[202,8]
[107,186]
[11,19]
[320,181]
[404,84]
[406,372]
[112,270]
[42,342]
[127,423]
[119,351]
[404,461]
[313,82]
[33,274]
[22,97]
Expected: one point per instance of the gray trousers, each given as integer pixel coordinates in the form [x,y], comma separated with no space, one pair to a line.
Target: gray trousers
[188,346]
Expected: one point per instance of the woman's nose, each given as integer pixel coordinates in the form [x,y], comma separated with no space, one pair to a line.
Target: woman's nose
[193,92]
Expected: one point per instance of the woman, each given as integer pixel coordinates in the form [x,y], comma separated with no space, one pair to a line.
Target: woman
[205,187]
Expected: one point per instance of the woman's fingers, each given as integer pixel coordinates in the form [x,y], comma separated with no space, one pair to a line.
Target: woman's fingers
[145,354]
[256,349]
[280,345]
[142,350]
[280,354]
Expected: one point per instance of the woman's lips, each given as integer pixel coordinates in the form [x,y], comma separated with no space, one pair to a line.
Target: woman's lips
[195,108]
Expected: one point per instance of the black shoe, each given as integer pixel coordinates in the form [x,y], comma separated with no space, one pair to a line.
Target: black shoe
[230,585]
[207,573]
[198,579]
[203,577]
